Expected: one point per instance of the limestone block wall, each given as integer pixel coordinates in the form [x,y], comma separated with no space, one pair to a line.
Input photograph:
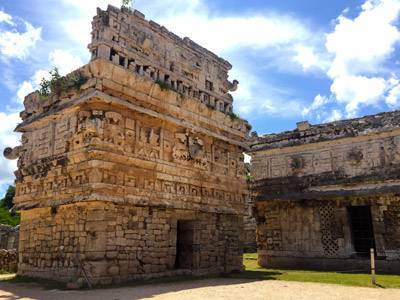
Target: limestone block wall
[8,260]
[351,157]
[307,182]
[250,225]
[9,237]
[116,243]
[112,172]
[128,40]
[317,234]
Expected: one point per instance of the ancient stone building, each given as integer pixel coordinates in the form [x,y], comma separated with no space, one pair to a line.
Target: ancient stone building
[326,194]
[9,237]
[132,166]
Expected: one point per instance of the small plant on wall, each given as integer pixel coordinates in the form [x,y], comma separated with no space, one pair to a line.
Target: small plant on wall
[57,83]
[127,4]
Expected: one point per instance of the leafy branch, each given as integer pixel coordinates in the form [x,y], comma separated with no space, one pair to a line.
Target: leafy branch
[57,83]
[127,4]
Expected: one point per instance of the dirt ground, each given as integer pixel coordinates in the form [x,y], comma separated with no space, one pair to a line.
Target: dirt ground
[206,290]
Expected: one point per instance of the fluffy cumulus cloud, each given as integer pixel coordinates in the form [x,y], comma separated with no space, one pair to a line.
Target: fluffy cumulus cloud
[17,37]
[266,32]
[29,86]
[64,61]
[360,50]
[354,91]
[6,18]
[360,47]
[319,101]
[335,115]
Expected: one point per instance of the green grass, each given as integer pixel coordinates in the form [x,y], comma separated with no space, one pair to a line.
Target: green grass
[7,218]
[254,271]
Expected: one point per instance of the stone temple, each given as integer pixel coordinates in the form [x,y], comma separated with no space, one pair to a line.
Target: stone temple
[138,171]
[132,167]
[326,194]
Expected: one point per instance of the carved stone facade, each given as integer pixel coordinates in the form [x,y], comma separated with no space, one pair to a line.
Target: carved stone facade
[150,50]
[125,178]
[326,194]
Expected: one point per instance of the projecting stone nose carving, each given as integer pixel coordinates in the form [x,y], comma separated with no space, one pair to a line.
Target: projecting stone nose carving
[12,153]
[234,86]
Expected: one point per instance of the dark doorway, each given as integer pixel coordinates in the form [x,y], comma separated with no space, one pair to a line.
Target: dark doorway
[362,229]
[184,245]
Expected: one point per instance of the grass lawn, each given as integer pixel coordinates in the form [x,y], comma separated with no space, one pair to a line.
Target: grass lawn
[253,271]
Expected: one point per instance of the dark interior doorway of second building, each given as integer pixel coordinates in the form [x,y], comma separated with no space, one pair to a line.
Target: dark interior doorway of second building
[362,229]
[184,244]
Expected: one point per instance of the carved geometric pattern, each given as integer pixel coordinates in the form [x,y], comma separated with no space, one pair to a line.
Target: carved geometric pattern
[328,236]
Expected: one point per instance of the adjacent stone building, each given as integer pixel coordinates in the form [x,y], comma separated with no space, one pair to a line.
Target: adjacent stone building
[9,237]
[133,166]
[326,194]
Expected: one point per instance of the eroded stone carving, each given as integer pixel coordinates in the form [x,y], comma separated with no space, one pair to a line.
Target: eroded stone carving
[113,167]
[331,190]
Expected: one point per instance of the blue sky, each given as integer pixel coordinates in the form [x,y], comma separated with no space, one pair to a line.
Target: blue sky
[295,59]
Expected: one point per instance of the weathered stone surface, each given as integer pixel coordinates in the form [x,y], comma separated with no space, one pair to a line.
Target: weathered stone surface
[9,237]
[107,173]
[306,182]
[8,260]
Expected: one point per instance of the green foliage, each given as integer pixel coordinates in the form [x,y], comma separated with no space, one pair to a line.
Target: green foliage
[8,199]
[249,178]
[57,83]
[234,116]
[7,217]
[127,4]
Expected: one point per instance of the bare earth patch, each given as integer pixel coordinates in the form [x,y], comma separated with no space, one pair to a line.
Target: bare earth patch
[206,289]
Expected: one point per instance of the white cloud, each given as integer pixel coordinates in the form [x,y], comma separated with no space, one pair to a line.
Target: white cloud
[359,48]
[224,34]
[393,97]
[319,101]
[266,32]
[6,18]
[256,98]
[334,116]
[24,89]
[364,43]
[79,26]
[307,58]
[8,139]
[17,44]
[64,61]
[31,85]
[354,91]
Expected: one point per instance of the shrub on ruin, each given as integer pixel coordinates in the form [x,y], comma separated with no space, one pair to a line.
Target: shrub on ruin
[57,83]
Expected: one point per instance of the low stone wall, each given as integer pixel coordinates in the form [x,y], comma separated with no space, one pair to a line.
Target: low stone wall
[9,237]
[8,260]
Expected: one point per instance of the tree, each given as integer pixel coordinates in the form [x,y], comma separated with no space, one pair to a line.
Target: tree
[127,4]
[8,200]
